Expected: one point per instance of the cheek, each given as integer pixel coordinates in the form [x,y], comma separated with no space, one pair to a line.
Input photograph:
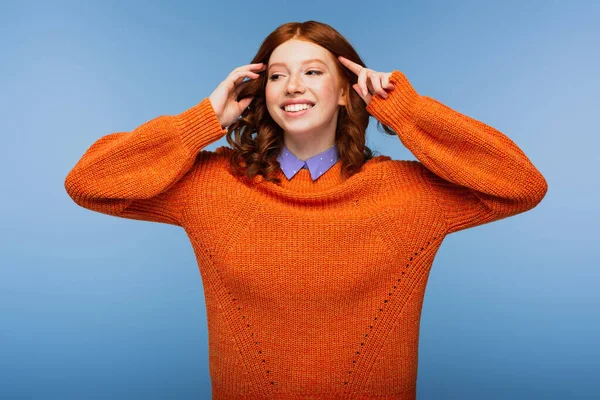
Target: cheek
[326,91]
[273,93]
[270,99]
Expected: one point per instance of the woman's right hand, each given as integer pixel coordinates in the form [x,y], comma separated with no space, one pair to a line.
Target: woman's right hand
[224,97]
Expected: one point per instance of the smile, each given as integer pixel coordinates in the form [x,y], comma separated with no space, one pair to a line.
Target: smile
[298,113]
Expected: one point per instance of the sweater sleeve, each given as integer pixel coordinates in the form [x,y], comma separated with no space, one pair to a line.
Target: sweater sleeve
[145,174]
[475,173]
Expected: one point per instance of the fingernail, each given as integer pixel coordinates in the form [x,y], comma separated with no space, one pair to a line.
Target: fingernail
[364,92]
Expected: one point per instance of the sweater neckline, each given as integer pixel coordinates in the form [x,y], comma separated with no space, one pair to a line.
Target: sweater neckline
[330,186]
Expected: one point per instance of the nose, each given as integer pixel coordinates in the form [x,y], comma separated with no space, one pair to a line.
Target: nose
[295,84]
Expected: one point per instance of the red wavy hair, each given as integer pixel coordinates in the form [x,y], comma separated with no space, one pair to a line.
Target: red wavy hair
[257,155]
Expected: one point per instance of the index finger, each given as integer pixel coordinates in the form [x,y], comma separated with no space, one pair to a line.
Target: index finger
[351,65]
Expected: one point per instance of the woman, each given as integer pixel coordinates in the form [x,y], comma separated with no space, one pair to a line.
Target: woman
[314,254]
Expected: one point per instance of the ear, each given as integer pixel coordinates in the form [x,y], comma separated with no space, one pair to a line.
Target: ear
[343,97]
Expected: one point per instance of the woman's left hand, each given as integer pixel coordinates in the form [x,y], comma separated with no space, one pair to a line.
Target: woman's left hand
[369,81]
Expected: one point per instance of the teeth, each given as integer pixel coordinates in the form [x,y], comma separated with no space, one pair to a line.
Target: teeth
[297,107]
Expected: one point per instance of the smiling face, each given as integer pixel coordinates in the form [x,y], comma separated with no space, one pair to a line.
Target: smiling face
[294,72]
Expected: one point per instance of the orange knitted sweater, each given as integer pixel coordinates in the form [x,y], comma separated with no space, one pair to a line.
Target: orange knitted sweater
[313,289]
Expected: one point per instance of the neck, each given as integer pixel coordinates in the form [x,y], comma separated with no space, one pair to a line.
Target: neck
[305,145]
[304,153]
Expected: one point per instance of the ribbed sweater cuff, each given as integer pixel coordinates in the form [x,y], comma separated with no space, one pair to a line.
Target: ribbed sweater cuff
[401,102]
[199,126]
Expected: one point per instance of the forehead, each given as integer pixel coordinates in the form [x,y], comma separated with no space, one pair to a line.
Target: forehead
[297,52]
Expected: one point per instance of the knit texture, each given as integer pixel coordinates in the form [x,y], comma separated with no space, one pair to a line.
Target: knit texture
[313,289]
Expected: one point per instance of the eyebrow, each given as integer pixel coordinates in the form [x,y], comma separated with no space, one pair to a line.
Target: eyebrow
[304,62]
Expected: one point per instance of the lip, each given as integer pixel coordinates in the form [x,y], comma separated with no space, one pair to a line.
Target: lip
[297,113]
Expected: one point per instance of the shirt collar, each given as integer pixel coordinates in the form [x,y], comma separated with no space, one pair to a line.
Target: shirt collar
[317,165]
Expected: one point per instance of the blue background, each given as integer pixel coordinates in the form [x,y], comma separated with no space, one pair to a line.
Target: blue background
[97,307]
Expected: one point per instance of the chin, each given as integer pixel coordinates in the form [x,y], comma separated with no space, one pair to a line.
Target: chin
[298,132]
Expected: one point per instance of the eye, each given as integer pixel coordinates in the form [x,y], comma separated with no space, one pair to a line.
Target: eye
[274,76]
[314,70]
